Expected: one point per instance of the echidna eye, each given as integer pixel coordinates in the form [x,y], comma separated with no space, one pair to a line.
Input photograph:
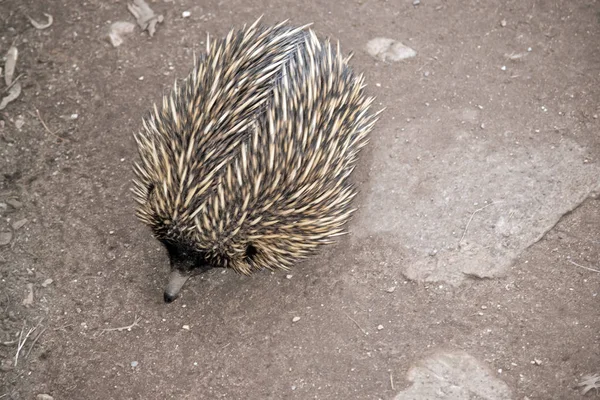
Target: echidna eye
[250,252]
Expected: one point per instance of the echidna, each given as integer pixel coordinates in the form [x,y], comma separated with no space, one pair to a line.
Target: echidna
[246,163]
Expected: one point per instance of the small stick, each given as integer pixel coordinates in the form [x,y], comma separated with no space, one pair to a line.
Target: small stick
[471,219]
[392,381]
[9,343]
[581,266]
[19,345]
[12,83]
[122,328]
[62,328]
[46,126]
[356,323]
[34,342]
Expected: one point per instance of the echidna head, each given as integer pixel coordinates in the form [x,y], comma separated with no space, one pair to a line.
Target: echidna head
[172,231]
[185,260]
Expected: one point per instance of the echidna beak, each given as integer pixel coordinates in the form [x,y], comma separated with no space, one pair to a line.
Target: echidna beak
[176,282]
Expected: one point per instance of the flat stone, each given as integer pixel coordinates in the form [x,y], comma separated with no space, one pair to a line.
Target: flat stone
[453,375]
[480,203]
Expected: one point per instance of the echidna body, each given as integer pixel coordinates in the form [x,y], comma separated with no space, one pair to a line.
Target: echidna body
[246,163]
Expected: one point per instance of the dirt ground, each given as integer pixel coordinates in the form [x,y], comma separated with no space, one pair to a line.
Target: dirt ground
[364,321]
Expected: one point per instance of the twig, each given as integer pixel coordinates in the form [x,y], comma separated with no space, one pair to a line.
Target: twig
[9,343]
[122,328]
[12,83]
[46,126]
[22,343]
[581,266]
[19,344]
[392,381]
[356,323]
[471,219]
[62,328]
[35,341]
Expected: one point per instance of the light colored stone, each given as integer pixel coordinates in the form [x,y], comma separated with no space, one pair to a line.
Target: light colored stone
[508,193]
[387,49]
[453,375]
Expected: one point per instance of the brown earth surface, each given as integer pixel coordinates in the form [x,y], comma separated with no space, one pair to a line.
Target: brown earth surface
[535,327]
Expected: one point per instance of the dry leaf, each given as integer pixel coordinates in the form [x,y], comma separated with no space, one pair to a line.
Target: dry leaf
[590,382]
[118,29]
[13,93]
[39,26]
[9,67]
[145,16]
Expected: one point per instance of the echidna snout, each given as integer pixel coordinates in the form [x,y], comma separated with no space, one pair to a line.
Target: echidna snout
[184,262]
[176,281]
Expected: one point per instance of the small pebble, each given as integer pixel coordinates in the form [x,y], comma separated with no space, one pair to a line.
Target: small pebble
[186,14]
[74,116]
[295,319]
[484,307]
[379,327]
[595,116]
[503,68]
[426,73]
[43,396]
[16,204]
[134,364]
[289,276]
[141,78]
[503,23]
[28,300]
[47,282]
[416,2]
[482,126]
[5,238]
[186,327]
[19,224]
[391,289]
[19,122]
